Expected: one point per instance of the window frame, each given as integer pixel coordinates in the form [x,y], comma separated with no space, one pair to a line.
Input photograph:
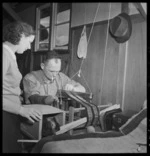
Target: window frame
[52,27]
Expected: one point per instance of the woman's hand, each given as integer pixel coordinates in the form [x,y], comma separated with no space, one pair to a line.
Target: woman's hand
[31,114]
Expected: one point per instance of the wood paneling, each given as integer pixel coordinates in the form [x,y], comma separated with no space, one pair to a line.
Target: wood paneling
[109,83]
[117,74]
[93,66]
[121,70]
[84,13]
[135,88]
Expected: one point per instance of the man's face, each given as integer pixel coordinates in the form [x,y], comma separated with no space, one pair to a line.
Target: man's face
[52,68]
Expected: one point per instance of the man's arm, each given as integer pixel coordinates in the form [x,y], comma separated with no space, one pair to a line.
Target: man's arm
[75,87]
[38,99]
[32,91]
[71,85]
[31,87]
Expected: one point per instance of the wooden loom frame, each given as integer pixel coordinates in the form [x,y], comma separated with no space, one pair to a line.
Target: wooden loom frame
[65,127]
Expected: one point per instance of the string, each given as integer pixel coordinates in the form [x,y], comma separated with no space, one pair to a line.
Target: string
[84,13]
[90,33]
[79,71]
[105,51]
[86,83]
[93,23]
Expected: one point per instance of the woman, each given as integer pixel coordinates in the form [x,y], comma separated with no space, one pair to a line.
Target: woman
[17,38]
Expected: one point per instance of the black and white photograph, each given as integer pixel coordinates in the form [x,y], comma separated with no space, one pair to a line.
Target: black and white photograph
[74,77]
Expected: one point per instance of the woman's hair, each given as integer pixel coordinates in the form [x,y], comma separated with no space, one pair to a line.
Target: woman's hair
[13,31]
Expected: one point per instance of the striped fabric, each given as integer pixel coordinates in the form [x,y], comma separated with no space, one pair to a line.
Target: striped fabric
[133,122]
[92,111]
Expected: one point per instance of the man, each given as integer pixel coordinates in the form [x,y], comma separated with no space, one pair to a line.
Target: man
[40,87]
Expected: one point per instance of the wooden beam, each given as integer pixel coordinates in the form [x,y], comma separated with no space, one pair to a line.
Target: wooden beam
[71,125]
[140,9]
[71,117]
[82,108]
[29,141]
[11,12]
[144,5]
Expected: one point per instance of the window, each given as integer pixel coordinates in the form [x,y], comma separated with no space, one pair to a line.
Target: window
[52,26]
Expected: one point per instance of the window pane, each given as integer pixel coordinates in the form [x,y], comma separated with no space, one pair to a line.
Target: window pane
[63,16]
[63,6]
[45,17]
[45,22]
[62,34]
[44,38]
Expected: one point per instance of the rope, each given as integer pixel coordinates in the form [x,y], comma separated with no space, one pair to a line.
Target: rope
[86,83]
[79,71]
[90,33]
[85,14]
[93,23]
[105,50]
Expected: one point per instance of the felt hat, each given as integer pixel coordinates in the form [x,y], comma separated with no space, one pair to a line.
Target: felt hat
[120,27]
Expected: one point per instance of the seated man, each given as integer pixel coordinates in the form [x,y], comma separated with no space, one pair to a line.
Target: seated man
[40,87]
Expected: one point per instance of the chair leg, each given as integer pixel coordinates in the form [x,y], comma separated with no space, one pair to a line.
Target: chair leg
[63,118]
[71,117]
[40,128]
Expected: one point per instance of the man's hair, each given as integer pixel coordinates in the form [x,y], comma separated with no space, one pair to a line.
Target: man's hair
[13,31]
[51,55]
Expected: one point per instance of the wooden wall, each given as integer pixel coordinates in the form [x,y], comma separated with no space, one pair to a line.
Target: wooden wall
[101,65]
[115,73]
[85,12]
[135,91]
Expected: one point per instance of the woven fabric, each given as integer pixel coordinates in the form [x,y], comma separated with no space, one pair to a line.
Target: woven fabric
[92,112]
[133,122]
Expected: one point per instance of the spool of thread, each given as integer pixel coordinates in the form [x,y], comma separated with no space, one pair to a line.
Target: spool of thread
[91,96]
[79,74]
[90,129]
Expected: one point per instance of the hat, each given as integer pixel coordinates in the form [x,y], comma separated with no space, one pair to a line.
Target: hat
[120,27]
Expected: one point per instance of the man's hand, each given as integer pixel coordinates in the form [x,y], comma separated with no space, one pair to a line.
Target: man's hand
[50,99]
[31,114]
[76,88]
[69,87]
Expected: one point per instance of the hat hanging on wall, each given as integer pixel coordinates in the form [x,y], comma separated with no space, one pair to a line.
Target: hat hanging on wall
[120,27]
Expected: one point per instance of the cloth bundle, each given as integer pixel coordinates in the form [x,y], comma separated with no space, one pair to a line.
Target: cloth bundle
[119,119]
[82,47]
[50,126]
[106,117]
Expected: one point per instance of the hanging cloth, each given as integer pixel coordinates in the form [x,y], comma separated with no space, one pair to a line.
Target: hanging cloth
[82,46]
